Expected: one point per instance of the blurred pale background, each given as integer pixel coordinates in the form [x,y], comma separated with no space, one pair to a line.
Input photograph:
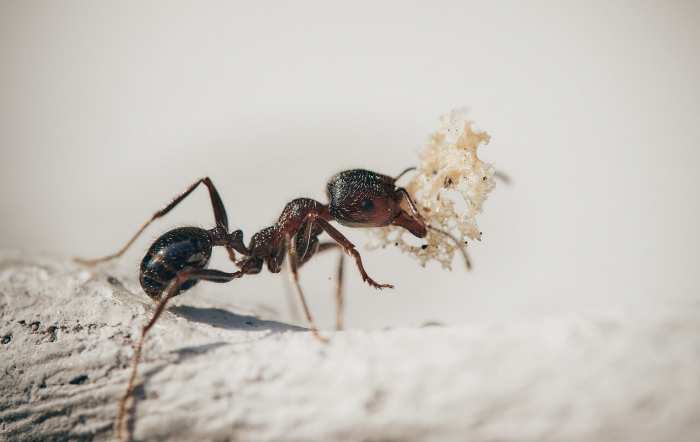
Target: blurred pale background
[108,109]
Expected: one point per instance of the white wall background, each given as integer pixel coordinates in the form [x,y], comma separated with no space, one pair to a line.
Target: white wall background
[108,109]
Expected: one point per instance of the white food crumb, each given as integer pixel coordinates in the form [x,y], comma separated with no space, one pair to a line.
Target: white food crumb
[449,169]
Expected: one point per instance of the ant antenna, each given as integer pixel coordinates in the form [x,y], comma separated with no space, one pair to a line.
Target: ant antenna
[404,172]
[462,247]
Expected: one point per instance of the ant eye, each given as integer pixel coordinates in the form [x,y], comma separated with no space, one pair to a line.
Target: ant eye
[367,205]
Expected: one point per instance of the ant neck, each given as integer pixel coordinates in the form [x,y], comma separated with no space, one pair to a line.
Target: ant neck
[235,240]
[220,237]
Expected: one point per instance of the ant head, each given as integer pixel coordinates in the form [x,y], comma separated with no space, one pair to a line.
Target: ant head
[360,198]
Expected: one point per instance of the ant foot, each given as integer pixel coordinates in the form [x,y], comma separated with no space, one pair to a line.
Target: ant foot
[377,285]
[86,262]
[317,335]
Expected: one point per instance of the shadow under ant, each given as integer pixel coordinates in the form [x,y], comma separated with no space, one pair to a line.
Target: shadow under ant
[220,318]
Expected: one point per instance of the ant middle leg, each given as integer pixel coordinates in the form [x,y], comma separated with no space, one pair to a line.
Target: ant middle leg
[219,215]
[293,265]
[171,290]
[339,299]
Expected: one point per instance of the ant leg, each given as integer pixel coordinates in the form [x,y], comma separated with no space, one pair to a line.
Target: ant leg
[350,250]
[219,215]
[293,264]
[171,290]
[302,258]
[339,301]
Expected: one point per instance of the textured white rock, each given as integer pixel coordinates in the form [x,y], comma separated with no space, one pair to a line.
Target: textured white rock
[212,374]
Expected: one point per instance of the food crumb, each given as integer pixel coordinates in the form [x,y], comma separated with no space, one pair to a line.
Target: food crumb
[450,187]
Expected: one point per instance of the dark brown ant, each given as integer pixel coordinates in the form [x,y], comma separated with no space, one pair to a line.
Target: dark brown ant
[178,259]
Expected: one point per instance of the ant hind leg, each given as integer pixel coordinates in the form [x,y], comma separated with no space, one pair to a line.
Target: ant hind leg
[172,289]
[219,214]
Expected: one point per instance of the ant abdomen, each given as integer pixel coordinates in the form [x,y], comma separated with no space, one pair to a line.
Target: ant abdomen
[174,250]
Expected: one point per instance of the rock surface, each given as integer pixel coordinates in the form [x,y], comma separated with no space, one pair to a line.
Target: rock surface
[212,374]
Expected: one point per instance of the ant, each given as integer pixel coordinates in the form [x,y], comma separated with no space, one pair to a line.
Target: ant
[178,259]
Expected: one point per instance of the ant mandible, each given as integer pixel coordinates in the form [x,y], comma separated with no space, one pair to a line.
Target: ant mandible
[178,259]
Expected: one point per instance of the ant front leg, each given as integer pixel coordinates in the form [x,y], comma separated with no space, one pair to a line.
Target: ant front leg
[219,215]
[349,249]
[171,290]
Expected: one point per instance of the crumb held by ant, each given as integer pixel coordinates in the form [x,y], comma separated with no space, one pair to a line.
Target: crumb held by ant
[449,170]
